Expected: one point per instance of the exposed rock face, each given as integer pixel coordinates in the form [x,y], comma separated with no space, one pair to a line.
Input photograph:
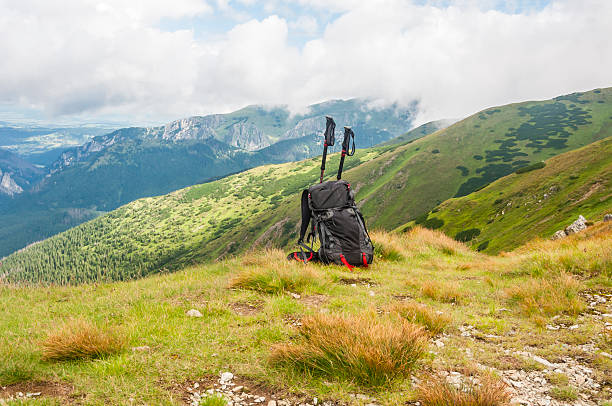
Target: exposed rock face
[608,217]
[576,226]
[558,235]
[247,136]
[8,185]
[74,155]
[193,128]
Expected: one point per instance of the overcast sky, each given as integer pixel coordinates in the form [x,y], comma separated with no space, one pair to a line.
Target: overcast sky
[152,61]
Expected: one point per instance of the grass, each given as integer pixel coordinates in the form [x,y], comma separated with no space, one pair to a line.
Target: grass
[564,393]
[213,400]
[548,297]
[489,391]
[278,277]
[80,339]
[434,321]
[12,371]
[152,312]
[442,292]
[370,351]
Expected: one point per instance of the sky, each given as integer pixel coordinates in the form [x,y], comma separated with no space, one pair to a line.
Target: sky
[147,62]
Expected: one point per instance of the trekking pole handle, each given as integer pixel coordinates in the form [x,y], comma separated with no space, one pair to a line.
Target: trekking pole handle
[330,128]
[348,134]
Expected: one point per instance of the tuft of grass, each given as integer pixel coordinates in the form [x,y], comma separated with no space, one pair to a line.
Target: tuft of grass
[364,349]
[547,297]
[81,339]
[213,400]
[441,292]
[418,313]
[387,247]
[277,278]
[12,372]
[563,393]
[557,378]
[435,391]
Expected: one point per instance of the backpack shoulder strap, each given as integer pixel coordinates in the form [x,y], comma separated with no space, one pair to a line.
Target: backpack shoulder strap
[305,216]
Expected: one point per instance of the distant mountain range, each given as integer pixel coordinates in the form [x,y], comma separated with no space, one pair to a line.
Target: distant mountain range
[115,168]
[43,145]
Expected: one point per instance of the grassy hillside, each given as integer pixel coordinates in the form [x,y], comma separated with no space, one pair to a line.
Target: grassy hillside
[421,131]
[539,202]
[394,184]
[427,308]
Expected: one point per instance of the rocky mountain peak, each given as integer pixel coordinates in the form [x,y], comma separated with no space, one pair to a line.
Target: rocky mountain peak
[8,186]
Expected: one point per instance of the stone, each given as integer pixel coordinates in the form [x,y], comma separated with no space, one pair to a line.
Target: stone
[576,226]
[558,235]
[238,389]
[607,217]
[194,313]
[542,361]
[226,377]
[272,403]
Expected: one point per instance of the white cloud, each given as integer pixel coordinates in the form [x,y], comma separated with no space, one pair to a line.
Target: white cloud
[307,25]
[109,58]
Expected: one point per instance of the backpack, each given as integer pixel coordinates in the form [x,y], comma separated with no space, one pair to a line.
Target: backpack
[337,222]
[334,217]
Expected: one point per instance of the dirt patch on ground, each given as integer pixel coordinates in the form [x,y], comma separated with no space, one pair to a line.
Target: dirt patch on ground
[247,308]
[292,320]
[357,281]
[239,390]
[38,389]
[314,300]
[404,298]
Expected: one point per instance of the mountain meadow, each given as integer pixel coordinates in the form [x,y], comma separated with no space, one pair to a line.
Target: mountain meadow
[188,299]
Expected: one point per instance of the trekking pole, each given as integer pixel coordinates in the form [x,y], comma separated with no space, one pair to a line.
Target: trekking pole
[330,127]
[348,134]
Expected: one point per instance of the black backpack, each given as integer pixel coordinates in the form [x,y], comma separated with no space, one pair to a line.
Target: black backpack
[330,209]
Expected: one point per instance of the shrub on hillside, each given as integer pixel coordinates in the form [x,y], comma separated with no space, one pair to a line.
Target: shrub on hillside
[435,391]
[467,235]
[367,350]
[81,339]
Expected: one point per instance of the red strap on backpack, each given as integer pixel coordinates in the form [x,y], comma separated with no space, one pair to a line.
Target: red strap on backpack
[349,266]
[365,261]
[295,255]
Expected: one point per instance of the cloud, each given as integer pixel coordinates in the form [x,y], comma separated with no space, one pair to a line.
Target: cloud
[109,58]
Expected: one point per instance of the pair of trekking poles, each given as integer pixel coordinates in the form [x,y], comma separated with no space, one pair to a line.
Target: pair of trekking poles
[330,136]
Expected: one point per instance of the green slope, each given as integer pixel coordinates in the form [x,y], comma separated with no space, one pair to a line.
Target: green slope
[519,207]
[394,184]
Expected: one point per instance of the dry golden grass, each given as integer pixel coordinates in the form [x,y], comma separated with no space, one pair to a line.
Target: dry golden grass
[435,391]
[418,313]
[417,242]
[588,253]
[547,297]
[367,350]
[277,277]
[80,339]
[442,292]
